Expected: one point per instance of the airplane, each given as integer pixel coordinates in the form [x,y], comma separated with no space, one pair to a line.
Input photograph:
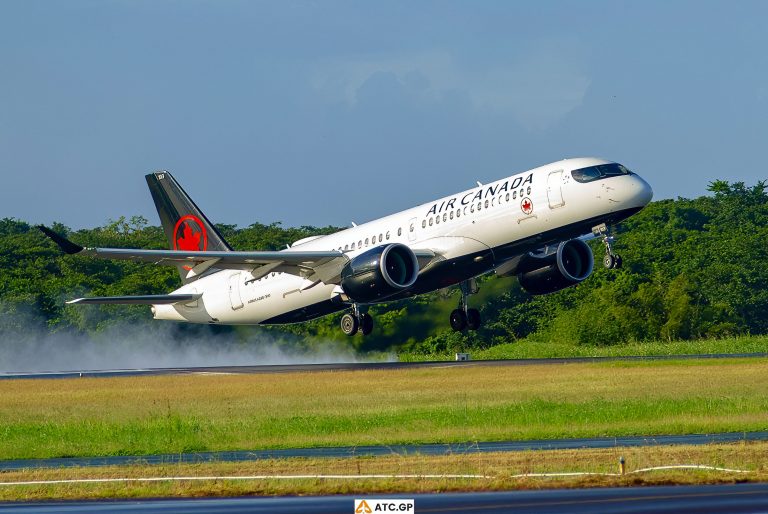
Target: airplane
[532,224]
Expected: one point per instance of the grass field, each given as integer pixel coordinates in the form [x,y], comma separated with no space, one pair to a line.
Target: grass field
[499,468]
[530,349]
[169,414]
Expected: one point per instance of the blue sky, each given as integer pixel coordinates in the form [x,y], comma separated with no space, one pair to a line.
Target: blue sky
[324,112]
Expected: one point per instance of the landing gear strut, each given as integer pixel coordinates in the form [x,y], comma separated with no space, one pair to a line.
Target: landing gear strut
[356,320]
[611,259]
[464,317]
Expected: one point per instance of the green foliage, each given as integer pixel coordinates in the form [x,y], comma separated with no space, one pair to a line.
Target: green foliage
[693,269]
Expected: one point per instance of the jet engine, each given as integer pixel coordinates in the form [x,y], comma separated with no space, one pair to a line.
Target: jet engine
[379,273]
[549,271]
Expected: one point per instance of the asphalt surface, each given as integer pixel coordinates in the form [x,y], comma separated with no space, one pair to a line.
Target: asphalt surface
[359,451]
[292,368]
[740,498]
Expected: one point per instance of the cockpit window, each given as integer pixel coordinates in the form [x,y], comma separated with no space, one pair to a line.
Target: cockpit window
[598,172]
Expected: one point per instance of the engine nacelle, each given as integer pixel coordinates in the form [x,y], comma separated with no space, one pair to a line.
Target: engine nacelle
[379,273]
[571,263]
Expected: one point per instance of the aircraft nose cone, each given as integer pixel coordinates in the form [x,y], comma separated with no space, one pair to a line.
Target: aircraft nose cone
[644,192]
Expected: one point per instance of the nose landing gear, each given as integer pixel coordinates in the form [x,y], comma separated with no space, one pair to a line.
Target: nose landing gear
[355,321]
[464,317]
[611,259]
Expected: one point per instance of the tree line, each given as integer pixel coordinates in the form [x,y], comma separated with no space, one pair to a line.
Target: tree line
[693,268]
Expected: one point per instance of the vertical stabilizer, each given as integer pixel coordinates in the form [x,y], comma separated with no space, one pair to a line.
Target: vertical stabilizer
[185,225]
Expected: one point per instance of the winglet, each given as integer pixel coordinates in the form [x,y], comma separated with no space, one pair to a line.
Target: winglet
[65,244]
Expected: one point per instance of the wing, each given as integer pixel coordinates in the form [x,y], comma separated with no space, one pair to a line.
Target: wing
[317,266]
[149,299]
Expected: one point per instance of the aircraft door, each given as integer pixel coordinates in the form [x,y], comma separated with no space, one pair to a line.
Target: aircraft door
[554,189]
[234,291]
[412,229]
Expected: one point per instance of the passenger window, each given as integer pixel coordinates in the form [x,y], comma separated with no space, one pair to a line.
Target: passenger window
[471,208]
[507,196]
[413,227]
[451,214]
[399,231]
[360,244]
[381,238]
[437,220]
[486,204]
[479,205]
[423,223]
[346,247]
[522,192]
[431,221]
[529,189]
[387,235]
[366,241]
[458,212]
[514,195]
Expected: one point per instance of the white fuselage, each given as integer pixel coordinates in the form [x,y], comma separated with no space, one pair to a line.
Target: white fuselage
[526,207]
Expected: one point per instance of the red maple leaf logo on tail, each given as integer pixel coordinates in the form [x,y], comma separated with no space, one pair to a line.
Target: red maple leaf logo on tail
[190,241]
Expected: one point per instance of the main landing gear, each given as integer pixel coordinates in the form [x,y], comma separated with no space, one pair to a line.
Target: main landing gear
[355,321]
[611,260]
[463,317]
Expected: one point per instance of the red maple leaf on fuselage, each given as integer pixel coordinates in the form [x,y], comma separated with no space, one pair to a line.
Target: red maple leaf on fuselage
[190,241]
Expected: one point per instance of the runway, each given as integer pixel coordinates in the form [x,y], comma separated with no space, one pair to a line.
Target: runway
[349,366]
[740,498]
[372,451]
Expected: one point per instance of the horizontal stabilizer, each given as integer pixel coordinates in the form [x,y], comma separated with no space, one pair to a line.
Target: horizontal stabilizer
[150,299]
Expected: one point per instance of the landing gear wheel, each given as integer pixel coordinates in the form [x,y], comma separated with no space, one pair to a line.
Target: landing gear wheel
[349,324]
[611,260]
[366,323]
[473,319]
[458,320]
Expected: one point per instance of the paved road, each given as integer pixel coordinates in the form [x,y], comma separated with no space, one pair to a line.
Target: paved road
[356,451]
[741,498]
[289,368]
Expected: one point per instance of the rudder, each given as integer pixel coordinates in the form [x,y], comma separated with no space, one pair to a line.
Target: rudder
[184,224]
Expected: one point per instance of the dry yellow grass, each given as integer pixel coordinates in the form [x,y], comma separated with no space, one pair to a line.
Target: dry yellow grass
[500,467]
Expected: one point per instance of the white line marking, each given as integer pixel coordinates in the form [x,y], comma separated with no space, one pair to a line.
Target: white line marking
[642,470]
[353,477]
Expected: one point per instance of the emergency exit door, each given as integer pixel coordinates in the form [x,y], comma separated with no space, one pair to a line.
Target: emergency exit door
[234,291]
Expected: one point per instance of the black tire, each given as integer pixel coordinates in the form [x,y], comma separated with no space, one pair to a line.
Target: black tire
[609,261]
[366,324]
[473,319]
[458,320]
[619,262]
[349,324]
